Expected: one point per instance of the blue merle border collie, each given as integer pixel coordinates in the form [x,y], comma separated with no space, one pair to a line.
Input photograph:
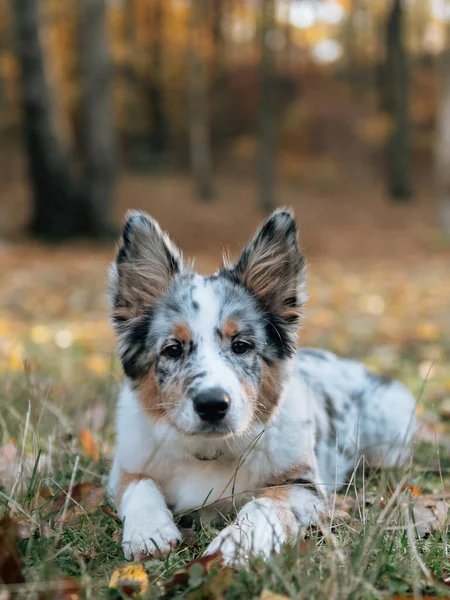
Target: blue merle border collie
[220,411]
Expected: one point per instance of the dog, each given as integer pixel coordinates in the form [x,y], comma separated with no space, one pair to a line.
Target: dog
[220,412]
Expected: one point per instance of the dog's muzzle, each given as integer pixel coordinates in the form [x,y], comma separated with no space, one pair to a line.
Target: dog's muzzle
[212,405]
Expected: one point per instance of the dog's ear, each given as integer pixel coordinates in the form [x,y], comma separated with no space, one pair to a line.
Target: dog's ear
[273,268]
[145,264]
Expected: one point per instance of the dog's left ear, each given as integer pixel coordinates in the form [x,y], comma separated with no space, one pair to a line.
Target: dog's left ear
[272,267]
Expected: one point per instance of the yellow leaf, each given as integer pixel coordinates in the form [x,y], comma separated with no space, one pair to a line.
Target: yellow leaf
[90,446]
[268,595]
[129,579]
[15,359]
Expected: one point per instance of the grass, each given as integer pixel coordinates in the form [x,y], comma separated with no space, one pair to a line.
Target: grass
[393,316]
[374,554]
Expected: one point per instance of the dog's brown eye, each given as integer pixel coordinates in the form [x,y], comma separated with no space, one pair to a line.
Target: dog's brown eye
[174,350]
[240,347]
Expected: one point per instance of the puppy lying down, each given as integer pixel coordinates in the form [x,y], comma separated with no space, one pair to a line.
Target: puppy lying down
[219,408]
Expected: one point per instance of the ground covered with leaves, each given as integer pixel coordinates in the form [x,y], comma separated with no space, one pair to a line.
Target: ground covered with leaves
[386,534]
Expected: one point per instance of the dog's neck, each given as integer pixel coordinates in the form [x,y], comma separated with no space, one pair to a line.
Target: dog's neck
[224,449]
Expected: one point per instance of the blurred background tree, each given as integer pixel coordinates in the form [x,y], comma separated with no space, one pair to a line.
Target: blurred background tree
[323,93]
[66,204]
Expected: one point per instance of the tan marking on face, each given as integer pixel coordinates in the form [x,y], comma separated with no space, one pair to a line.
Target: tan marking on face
[269,393]
[251,393]
[182,333]
[230,328]
[126,480]
[155,403]
[150,395]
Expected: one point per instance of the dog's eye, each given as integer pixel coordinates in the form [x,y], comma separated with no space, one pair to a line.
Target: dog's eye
[240,347]
[174,350]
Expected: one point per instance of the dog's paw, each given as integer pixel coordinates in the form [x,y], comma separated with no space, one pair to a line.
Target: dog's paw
[145,538]
[257,531]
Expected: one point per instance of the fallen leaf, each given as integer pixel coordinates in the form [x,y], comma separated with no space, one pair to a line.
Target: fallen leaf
[10,562]
[62,588]
[415,491]
[268,595]
[206,563]
[26,528]
[131,580]
[90,446]
[444,409]
[214,588]
[85,498]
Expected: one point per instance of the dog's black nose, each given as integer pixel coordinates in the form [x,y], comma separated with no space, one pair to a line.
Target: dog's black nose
[212,405]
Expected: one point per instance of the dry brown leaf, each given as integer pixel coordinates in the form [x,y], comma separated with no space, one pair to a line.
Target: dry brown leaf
[85,498]
[131,580]
[90,446]
[181,577]
[429,515]
[10,562]
[444,409]
[215,588]
[62,588]
[26,528]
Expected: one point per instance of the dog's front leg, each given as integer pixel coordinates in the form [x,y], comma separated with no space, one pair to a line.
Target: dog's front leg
[149,528]
[265,524]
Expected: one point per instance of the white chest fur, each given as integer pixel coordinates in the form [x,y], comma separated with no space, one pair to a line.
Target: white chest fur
[242,465]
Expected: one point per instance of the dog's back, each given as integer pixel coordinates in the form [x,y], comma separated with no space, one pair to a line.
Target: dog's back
[357,413]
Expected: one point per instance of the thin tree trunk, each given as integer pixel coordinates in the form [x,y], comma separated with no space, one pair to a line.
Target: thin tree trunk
[158,113]
[267,108]
[220,97]
[398,105]
[199,130]
[442,140]
[99,140]
[56,198]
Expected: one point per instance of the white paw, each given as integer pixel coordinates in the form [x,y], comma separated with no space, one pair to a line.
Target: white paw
[145,537]
[257,531]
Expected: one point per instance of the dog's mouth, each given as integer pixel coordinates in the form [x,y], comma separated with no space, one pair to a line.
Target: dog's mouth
[213,431]
[207,431]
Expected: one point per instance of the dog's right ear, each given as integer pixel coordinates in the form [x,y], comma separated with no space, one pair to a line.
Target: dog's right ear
[145,264]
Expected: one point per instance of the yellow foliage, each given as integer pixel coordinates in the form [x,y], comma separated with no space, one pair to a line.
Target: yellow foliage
[90,446]
[133,576]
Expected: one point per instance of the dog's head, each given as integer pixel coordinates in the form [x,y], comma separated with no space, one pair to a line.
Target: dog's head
[209,355]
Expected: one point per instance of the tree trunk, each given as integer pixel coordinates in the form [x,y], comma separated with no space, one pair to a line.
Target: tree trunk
[56,198]
[397,80]
[267,108]
[99,141]
[199,132]
[442,140]
[220,97]
[158,114]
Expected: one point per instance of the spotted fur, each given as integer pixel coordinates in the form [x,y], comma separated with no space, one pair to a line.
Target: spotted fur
[294,423]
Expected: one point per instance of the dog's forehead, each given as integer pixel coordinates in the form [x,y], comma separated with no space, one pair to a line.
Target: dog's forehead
[204,303]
